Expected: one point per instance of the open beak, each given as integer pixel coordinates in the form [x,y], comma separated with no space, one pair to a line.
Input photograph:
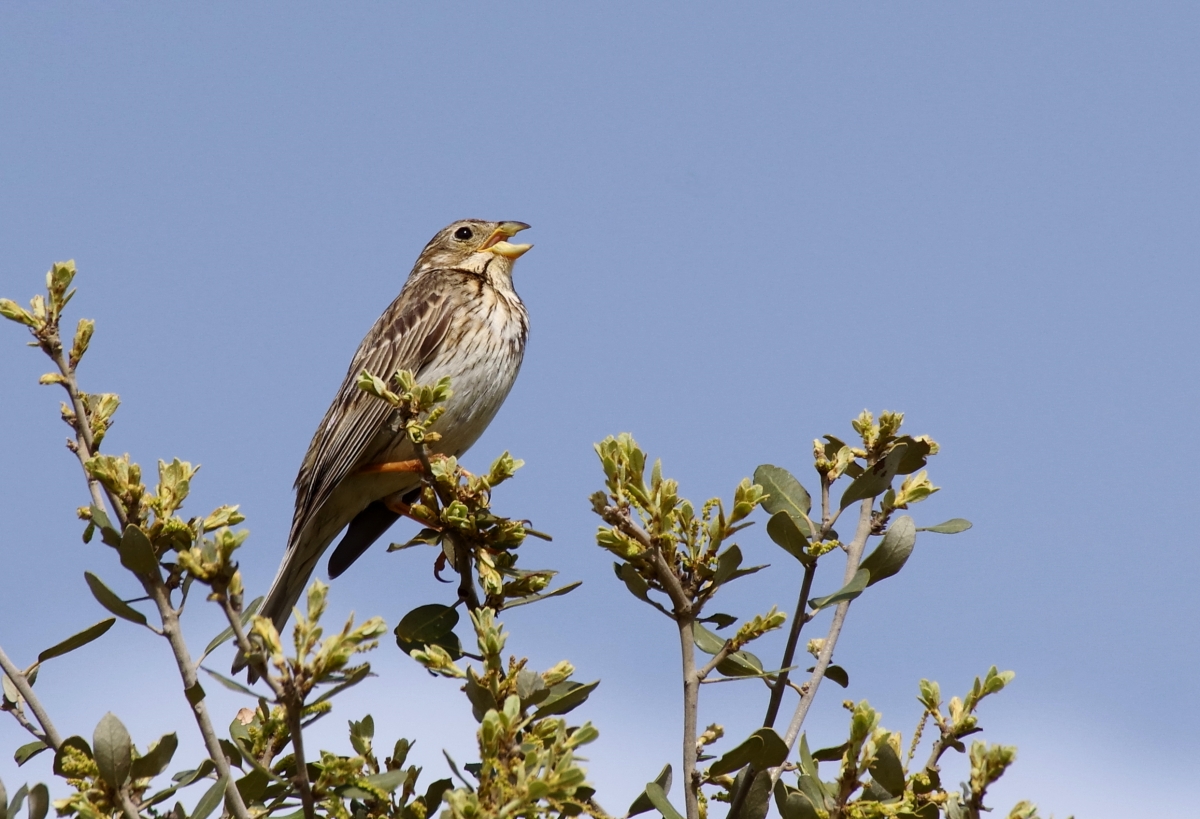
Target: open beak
[497,243]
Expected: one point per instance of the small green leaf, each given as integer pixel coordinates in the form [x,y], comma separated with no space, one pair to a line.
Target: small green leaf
[108,533]
[887,770]
[837,674]
[719,620]
[741,664]
[727,563]
[137,554]
[194,694]
[28,751]
[113,750]
[784,492]
[435,791]
[17,800]
[533,598]
[3,801]
[212,797]
[785,532]
[232,685]
[706,641]
[78,743]
[793,804]
[758,799]
[643,803]
[105,597]
[949,527]
[658,798]
[875,481]
[565,697]
[76,641]
[830,754]
[848,592]
[893,552]
[426,624]
[39,801]
[386,781]
[156,759]
[763,749]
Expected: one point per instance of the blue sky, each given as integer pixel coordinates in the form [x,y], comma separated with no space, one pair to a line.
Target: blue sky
[749,226]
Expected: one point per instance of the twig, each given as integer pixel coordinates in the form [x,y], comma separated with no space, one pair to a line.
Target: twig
[717,659]
[789,652]
[52,737]
[691,707]
[127,807]
[243,644]
[853,558]
[294,707]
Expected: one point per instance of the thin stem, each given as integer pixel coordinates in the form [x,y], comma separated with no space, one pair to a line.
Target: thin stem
[717,659]
[666,576]
[127,807]
[853,558]
[187,671]
[294,707]
[789,652]
[52,737]
[691,707]
[243,643]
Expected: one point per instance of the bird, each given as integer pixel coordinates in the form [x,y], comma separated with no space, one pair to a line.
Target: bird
[457,315]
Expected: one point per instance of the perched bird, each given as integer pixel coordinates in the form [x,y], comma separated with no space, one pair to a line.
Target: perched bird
[458,316]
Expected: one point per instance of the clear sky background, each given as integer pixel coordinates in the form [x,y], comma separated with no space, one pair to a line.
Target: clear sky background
[750,224]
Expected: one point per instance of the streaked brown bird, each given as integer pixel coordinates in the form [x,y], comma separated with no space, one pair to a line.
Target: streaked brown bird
[458,316]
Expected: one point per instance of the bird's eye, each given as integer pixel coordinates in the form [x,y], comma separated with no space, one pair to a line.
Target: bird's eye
[463,233]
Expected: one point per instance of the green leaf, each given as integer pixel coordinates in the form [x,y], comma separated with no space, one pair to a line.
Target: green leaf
[915,456]
[3,802]
[837,674]
[875,481]
[741,664]
[785,532]
[137,554]
[949,527]
[113,750]
[658,798]
[247,613]
[792,804]
[565,697]
[232,685]
[848,592]
[426,624]
[28,751]
[105,597]
[108,532]
[784,492]
[830,754]
[387,781]
[887,769]
[719,620]
[253,785]
[76,641]
[17,800]
[758,799]
[727,563]
[706,641]
[763,749]
[892,553]
[643,803]
[156,759]
[78,743]
[533,598]
[39,801]
[435,791]
[212,797]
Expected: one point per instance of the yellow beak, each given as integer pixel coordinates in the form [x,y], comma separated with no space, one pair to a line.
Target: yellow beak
[496,242]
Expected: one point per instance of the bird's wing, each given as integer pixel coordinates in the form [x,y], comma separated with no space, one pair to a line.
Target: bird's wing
[405,337]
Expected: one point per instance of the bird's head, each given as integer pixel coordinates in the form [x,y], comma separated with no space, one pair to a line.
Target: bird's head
[475,245]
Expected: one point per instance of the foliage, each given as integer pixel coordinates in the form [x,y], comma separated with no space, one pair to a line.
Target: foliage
[671,554]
